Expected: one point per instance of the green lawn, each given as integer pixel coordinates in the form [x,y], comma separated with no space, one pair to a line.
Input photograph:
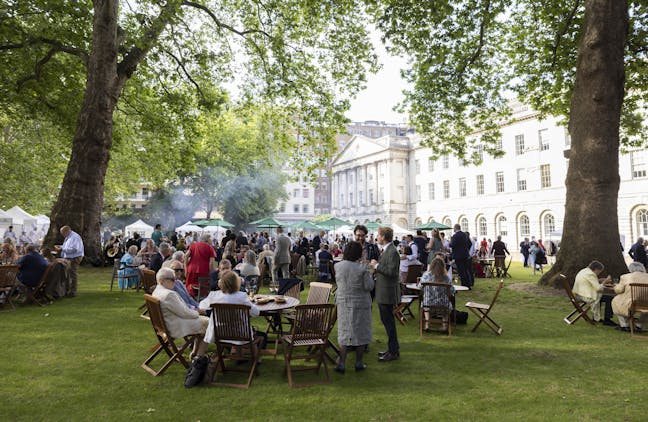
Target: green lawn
[79,359]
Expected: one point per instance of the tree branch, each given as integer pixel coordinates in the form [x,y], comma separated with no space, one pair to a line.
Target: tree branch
[184,70]
[142,46]
[561,34]
[223,25]
[37,69]
[480,44]
[58,46]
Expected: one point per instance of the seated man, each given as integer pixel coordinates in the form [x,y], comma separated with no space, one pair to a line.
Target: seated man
[31,267]
[622,301]
[588,288]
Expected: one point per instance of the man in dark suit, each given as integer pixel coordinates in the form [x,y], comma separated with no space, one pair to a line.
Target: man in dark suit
[638,252]
[387,290]
[282,256]
[158,259]
[524,250]
[460,244]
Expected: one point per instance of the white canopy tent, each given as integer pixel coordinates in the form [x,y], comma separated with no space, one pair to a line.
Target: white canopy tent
[5,221]
[22,220]
[140,227]
[400,231]
[186,228]
[342,230]
[42,222]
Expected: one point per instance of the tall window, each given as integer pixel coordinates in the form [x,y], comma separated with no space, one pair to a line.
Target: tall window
[639,161]
[499,144]
[525,228]
[295,193]
[502,226]
[446,162]
[480,184]
[543,139]
[463,221]
[417,167]
[521,179]
[446,189]
[483,227]
[418,193]
[431,164]
[430,190]
[499,182]
[549,224]
[296,208]
[479,152]
[305,192]
[462,186]
[447,222]
[545,176]
[282,207]
[519,144]
[642,222]
[305,208]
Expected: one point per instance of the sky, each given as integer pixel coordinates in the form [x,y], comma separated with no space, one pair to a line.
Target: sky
[383,91]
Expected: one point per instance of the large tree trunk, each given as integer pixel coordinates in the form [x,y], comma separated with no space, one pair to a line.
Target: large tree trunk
[80,201]
[590,230]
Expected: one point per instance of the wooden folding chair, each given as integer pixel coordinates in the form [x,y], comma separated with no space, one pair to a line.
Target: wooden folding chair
[202,289]
[313,323]
[115,272]
[37,293]
[319,293]
[580,307]
[8,284]
[232,331]
[166,342]
[413,273]
[148,285]
[505,270]
[639,304]
[443,308]
[482,310]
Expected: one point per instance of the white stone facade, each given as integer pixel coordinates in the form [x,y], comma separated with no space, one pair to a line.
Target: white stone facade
[521,194]
[300,204]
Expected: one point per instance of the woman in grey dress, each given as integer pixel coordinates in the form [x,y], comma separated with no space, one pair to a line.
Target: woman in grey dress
[353,299]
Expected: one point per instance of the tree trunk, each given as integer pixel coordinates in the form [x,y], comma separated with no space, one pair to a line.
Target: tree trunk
[590,230]
[80,201]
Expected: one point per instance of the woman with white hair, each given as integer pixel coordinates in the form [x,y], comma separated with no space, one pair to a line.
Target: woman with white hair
[249,265]
[623,299]
[200,260]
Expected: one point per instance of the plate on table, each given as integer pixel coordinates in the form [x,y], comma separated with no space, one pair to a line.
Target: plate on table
[280,299]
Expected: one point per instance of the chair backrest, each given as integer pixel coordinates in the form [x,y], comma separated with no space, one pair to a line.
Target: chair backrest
[231,322]
[567,286]
[148,280]
[313,321]
[413,272]
[639,295]
[319,293]
[497,292]
[155,313]
[43,279]
[8,275]
[294,290]
[117,264]
[440,291]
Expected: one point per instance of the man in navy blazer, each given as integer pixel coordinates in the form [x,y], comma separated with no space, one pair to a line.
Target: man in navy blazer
[460,244]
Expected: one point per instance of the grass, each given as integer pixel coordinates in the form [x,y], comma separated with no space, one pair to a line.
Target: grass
[78,359]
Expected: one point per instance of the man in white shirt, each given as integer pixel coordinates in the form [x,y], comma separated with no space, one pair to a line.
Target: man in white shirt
[9,233]
[72,252]
[34,236]
[589,288]
[413,246]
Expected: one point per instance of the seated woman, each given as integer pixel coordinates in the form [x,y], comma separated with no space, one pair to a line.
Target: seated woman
[335,250]
[147,251]
[407,259]
[31,267]
[249,265]
[623,299]
[128,271]
[8,253]
[435,296]
[179,319]
[230,292]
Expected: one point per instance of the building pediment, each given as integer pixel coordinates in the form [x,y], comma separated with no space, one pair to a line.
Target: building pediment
[359,146]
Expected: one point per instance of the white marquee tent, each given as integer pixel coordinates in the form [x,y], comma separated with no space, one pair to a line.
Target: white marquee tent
[22,220]
[5,220]
[186,228]
[140,227]
[42,222]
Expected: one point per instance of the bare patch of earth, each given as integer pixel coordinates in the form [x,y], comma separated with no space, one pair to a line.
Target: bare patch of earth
[535,289]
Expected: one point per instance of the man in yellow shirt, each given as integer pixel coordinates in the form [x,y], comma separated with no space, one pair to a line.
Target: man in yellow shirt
[588,288]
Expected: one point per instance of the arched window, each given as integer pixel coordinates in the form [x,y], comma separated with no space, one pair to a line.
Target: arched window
[447,222]
[549,224]
[483,227]
[463,222]
[418,222]
[502,226]
[525,229]
[642,222]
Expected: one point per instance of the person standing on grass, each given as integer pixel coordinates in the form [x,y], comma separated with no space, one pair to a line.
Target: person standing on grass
[638,252]
[72,252]
[387,290]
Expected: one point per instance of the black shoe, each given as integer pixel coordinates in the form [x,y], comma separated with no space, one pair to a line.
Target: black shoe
[381,354]
[360,366]
[609,323]
[388,357]
[196,371]
[339,369]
